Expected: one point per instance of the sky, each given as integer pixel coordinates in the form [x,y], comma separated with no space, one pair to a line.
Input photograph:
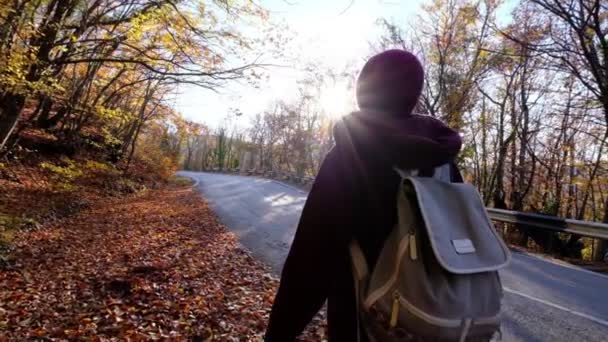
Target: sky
[326,31]
[334,33]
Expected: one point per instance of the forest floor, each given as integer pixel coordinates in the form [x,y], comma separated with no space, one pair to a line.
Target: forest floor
[153,264]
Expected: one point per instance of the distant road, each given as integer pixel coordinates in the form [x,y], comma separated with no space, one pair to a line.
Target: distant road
[544,301]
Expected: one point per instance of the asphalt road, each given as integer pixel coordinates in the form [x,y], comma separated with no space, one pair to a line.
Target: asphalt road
[544,300]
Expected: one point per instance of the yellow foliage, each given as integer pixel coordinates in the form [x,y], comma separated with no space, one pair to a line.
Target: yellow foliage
[96,166]
[63,175]
[586,253]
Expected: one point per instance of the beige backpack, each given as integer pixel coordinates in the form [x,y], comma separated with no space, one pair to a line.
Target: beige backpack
[436,278]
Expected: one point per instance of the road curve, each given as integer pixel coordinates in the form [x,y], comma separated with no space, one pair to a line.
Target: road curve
[544,301]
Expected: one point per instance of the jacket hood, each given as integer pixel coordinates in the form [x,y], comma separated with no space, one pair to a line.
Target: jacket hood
[411,142]
[390,82]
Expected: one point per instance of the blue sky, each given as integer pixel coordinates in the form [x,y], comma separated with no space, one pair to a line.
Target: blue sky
[324,32]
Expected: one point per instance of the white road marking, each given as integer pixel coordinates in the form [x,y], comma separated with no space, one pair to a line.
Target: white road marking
[559,307]
[289,186]
[559,263]
[191,187]
[196,181]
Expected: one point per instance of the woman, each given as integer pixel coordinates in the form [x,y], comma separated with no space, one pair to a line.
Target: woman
[354,195]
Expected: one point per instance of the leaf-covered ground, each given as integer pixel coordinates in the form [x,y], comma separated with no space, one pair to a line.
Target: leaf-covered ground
[157,265]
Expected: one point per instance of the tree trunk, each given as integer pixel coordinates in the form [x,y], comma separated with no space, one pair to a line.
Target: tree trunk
[133,141]
[10,109]
[45,106]
[573,246]
[600,247]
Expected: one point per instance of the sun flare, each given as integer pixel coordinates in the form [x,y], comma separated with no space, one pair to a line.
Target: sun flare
[337,101]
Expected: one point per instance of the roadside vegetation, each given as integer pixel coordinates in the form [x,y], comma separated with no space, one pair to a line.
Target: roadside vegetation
[154,265]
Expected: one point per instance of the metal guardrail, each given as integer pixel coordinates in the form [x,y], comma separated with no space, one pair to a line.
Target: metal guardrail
[583,228]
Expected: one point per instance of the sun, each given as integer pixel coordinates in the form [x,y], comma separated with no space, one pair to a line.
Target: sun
[337,101]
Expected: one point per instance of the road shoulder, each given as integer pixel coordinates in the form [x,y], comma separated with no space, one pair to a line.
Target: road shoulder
[154,265]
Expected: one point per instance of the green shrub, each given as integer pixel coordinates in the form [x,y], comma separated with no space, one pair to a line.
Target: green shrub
[69,172]
[9,226]
[587,253]
[64,175]
[8,222]
[100,167]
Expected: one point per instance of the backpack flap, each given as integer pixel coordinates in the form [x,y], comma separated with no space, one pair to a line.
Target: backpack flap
[461,235]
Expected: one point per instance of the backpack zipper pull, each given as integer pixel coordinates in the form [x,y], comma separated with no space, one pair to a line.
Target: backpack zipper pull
[413,249]
[395,310]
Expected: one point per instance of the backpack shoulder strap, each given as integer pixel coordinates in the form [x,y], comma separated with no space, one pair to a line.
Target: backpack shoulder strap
[442,172]
[359,263]
[406,173]
[360,273]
